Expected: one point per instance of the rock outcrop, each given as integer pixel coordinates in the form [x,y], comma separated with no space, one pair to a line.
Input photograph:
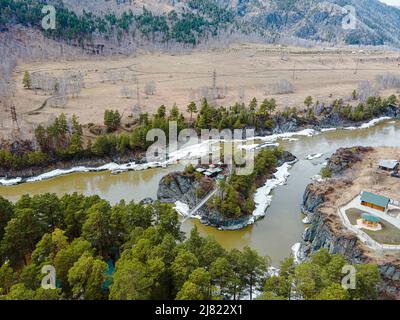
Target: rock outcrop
[177,186]
[286,157]
[345,158]
[333,120]
[311,200]
[322,232]
[327,231]
[182,187]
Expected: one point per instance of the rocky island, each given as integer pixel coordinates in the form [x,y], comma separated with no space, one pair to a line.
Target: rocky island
[355,170]
[233,206]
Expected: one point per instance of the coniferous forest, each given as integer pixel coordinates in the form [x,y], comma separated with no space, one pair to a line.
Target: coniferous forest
[137,251]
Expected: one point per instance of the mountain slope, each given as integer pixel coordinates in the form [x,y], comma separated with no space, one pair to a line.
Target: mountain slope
[193,21]
[377,23]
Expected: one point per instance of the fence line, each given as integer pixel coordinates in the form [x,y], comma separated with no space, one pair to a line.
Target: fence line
[364,238]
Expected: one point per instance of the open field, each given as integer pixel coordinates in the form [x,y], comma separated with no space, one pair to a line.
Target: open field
[242,72]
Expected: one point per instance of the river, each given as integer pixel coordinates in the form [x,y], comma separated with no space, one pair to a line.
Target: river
[275,234]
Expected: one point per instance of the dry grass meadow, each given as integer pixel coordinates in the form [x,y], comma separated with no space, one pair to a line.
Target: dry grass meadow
[243,71]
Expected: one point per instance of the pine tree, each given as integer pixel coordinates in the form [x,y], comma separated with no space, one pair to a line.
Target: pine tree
[308,101]
[192,108]
[253,105]
[26,81]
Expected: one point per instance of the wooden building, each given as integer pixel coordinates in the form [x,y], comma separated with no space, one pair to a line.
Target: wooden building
[370,221]
[389,165]
[374,201]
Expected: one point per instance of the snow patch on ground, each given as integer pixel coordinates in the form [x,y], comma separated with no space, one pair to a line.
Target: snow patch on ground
[56,173]
[194,151]
[287,135]
[273,271]
[328,129]
[296,252]
[318,178]
[306,220]
[262,197]
[314,156]
[249,146]
[267,145]
[10,182]
[184,210]
[369,124]
[290,139]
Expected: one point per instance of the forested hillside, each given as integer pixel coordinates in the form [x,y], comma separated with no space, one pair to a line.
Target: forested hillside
[194,21]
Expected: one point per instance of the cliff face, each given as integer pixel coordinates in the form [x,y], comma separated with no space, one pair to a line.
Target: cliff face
[311,200]
[326,229]
[345,158]
[321,234]
[177,187]
[333,120]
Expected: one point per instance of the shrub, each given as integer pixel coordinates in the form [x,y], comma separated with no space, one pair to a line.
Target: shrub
[326,172]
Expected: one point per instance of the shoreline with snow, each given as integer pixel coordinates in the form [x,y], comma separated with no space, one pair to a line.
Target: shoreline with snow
[263,197]
[191,152]
[296,252]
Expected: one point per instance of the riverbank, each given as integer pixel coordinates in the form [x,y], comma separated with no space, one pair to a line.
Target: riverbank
[274,234]
[138,162]
[60,168]
[354,170]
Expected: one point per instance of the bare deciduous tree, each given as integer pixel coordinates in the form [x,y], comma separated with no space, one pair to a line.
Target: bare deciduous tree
[365,90]
[150,88]
[388,81]
[280,87]
[128,92]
